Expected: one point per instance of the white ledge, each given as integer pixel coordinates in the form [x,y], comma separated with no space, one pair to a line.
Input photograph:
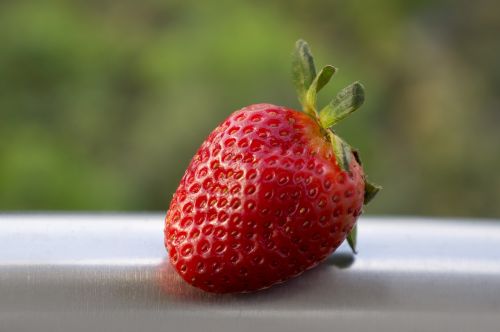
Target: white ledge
[96,272]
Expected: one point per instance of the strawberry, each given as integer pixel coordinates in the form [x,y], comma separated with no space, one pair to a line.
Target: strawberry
[271,192]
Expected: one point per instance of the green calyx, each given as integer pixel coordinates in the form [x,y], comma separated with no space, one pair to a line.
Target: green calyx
[308,83]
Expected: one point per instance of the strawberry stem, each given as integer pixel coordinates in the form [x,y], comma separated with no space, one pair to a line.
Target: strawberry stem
[308,84]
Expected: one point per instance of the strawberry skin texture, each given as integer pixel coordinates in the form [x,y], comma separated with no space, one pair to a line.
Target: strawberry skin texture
[262,201]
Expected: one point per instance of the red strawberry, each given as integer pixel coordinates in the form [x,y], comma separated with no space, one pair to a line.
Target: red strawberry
[270,193]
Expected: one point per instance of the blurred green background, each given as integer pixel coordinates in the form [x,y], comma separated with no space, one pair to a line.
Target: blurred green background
[103,103]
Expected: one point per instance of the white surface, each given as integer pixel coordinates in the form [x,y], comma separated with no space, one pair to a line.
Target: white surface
[108,272]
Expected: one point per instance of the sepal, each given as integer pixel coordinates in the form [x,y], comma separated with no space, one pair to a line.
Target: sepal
[371,190]
[303,69]
[352,238]
[347,101]
[342,151]
[318,83]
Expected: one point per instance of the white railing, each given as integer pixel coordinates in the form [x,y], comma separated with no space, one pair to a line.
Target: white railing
[107,272]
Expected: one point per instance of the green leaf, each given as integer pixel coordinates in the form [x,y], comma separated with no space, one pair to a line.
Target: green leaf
[319,82]
[303,70]
[347,101]
[371,190]
[342,151]
[323,78]
[352,238]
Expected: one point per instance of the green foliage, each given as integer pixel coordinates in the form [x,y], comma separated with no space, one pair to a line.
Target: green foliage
[103,103]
